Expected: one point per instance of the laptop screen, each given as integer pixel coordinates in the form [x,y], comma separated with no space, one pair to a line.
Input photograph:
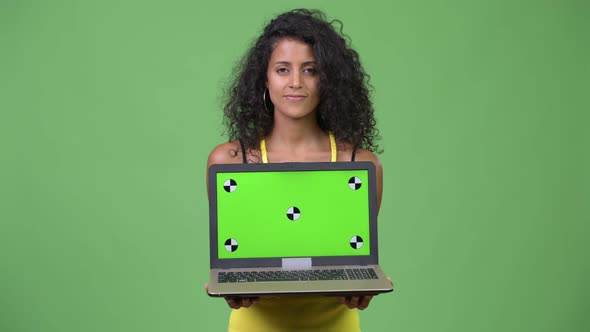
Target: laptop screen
[301,213]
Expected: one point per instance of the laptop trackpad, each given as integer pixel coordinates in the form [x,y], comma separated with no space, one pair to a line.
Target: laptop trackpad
[297,263]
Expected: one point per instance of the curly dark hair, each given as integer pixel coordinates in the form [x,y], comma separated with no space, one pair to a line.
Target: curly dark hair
[345,107]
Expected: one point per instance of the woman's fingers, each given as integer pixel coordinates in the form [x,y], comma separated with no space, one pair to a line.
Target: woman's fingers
[234,303]
[350,301]
[364,302]
[358,302]
[354,302]
[246,302]
[239,302]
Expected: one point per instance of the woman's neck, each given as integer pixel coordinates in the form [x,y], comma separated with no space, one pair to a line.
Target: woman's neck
[295,139]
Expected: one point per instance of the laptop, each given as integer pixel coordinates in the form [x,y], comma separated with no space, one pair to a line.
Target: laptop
[282,229]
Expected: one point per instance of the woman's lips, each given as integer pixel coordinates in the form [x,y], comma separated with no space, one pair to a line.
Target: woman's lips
[294,97]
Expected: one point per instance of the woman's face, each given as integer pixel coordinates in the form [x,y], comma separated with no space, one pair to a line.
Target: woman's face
[293,80]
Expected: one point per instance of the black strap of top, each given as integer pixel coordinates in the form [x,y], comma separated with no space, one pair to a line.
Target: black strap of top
[243,152]
[353,153]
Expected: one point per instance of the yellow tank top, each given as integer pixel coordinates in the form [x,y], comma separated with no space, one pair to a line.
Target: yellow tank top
[296,313]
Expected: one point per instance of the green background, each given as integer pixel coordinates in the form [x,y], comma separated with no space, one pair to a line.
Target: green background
[255,214]
[110,108]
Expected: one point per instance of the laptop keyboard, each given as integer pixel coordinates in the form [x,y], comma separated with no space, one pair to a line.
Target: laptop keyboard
[297,275]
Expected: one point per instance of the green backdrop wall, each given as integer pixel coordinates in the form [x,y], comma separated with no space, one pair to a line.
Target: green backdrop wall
[110,108]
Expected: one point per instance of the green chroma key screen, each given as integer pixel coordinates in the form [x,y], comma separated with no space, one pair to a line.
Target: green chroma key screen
[293,214]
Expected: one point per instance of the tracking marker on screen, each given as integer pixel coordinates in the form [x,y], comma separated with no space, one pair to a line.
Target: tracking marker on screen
[355,183]
[231,245]
[230,185]
[293,213]
[356,242]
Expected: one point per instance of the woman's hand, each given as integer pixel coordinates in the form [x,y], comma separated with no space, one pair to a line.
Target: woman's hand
[238,302]
[358,302]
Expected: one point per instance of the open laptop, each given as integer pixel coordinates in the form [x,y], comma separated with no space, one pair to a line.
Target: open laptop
[294,228]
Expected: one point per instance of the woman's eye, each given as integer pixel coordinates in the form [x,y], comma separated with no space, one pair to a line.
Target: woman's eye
[310,70]
[282,70]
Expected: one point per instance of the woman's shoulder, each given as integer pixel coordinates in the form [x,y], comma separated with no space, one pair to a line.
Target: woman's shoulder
[366,155]
[231,153]
[226,153]
[345,152]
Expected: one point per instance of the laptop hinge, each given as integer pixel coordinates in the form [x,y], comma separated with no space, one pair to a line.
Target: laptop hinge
[297,263]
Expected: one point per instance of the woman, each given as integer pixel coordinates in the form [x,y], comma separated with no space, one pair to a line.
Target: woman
[300,96]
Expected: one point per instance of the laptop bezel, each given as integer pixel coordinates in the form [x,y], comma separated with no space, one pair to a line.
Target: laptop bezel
[224,263]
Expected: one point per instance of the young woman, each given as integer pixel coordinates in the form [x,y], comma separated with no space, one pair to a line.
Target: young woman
[300,95]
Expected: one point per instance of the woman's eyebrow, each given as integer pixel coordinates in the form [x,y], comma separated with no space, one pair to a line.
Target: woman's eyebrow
[311,62]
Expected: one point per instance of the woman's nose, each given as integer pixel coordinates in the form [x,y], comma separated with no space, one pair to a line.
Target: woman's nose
[295,80]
